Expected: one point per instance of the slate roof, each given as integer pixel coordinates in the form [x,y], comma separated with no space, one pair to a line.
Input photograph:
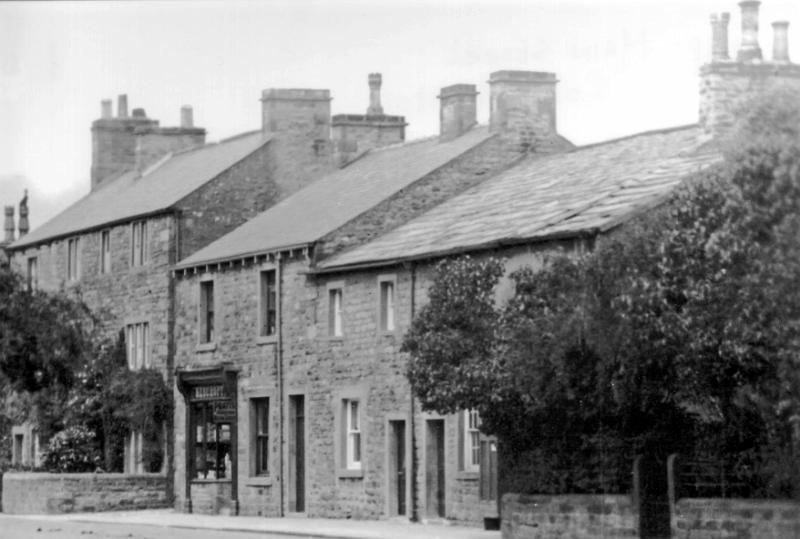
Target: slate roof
[587,190]
[159,188]
[330,202]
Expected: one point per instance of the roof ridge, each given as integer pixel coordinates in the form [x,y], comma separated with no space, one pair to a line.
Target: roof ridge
[157,164]
[240,135]
[420,140]
[649,132]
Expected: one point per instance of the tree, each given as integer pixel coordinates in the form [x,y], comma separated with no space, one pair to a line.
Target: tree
[679,332]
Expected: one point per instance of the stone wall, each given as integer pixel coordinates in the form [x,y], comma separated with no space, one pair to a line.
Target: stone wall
[716,518]
[576,516]
[46,493]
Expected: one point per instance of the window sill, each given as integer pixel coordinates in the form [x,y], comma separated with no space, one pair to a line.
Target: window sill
[209,481]
[468,476]
[259,481]
[350,474]
[205,347]
[267,339]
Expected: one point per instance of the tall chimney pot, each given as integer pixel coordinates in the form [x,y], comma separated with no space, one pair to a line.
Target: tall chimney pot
[105,109]
[719,37]
[9,224]
[23,215]
[375,81]
[780,41]
[187,116]
[749,49]
[122,106]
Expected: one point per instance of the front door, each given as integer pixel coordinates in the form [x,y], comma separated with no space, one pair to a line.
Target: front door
[397,468]
[434,468]
[297,462]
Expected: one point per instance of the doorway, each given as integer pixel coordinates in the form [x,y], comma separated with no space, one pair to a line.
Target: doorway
[397,479]
[297,457]
[434,468]
[652,488]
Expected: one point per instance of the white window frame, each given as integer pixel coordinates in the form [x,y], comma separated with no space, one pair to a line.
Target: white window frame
[354,444]
[472,441]
[336,310]
[139,240]
[263,300]
[73,259]
[206,337]
[137,341]
[33,273]
[105,251]
[387,304]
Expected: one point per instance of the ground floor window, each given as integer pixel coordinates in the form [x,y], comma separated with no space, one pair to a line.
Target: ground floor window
[260,435]
[212,439]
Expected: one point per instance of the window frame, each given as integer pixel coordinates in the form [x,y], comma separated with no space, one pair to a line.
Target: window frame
[138,346]
[105,251]
[387,305]
[335,312]
[346,467]
[140,254]
[470,438]
[354,442]
[263,333]
[32,275]
[206,330]
[259,440]
[73,259]
[208,441]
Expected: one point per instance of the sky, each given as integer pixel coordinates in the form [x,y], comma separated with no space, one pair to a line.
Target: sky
[624,66]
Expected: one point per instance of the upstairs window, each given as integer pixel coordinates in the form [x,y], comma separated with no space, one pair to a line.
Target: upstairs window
[137,337]
[207,312]
[33,273]
[73,260]
[335,312]
[268,304]
[386,305]
[105,251]
[139,243]
[352,415]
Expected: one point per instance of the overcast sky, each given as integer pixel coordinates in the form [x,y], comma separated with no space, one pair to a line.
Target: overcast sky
[624,66]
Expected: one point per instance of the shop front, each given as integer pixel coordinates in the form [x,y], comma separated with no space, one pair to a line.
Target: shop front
[211,435]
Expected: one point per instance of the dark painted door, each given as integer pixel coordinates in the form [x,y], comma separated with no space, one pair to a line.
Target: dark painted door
[397,467]
[654,510]
[297,457]
[434,468]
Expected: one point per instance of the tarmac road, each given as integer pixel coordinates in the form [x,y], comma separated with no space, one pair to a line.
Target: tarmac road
[28,528]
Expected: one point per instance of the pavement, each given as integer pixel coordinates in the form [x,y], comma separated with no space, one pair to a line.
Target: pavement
[291,526]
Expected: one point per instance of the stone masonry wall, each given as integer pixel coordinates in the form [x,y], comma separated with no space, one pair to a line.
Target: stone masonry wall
[235,196]
[46,493]
[577,516]
[716,518]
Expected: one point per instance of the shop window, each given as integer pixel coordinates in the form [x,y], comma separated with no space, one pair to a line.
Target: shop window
[211,425]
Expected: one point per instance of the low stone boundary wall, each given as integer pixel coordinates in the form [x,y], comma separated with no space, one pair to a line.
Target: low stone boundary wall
[48,493]
[717,518]
[573,516]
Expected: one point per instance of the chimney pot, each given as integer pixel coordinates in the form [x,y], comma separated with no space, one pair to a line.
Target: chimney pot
[749,49]
[23,215]
[719,37]
[780,41]
[457,110]
[105,109]
[122,106]
[187,117]
[375,80]
[9,224]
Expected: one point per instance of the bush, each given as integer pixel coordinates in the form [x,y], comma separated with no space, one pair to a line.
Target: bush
[73,450]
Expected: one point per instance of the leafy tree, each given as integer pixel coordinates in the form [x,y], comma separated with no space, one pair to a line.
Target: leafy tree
[679,332]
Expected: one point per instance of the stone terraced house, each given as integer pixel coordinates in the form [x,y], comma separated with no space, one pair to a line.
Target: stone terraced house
[291,395]
[158,194]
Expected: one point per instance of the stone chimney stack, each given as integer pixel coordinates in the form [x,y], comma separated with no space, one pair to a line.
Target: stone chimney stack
[749,49]
[105,109]
[726,86]
[780,41]
[23,215]
[375,80]
[719,37]
[187,116]
[457,110]
[8,224]
[122,106]
[523,108]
